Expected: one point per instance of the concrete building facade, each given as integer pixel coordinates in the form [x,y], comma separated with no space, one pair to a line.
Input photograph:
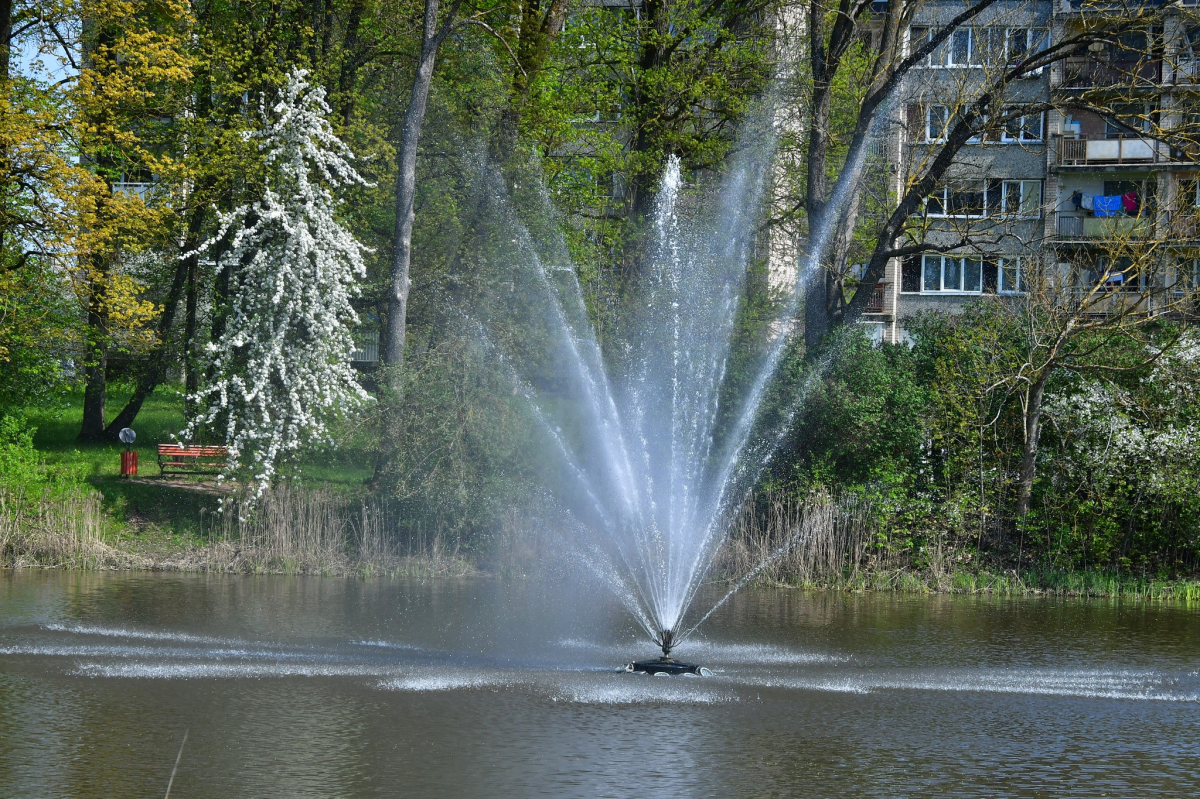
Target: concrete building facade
[1038,192]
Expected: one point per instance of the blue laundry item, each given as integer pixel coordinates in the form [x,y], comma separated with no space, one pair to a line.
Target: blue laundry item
[1108,206]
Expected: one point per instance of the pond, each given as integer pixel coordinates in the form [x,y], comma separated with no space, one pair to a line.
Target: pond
[293,686]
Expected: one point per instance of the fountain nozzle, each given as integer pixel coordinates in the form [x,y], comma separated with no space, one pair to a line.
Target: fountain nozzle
[666,640]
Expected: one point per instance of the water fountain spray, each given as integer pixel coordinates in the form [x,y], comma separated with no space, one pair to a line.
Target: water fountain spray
[653,459]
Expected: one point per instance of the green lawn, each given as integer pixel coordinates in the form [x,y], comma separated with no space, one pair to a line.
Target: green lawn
[145,504]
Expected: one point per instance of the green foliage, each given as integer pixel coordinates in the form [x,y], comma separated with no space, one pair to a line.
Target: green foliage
[862,420]
[23,472]
[934,435]
[464,444]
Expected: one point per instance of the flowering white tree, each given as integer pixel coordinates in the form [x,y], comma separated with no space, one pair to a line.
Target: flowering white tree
[281,373]
[1151,434]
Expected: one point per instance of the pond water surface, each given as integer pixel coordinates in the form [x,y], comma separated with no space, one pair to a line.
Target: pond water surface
[477,688]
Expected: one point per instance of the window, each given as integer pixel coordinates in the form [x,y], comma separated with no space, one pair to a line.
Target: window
[1184,276]
[1010,274]
[1023,129]
[966,199]
[1118,275]
[1189,47]
[1020,44]
[1188,194]
[1128,121]
[1021,198]
[962,47]
[950,273]
[978,47]
[937,120]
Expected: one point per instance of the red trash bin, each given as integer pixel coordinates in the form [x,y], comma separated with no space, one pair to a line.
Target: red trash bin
[128,464]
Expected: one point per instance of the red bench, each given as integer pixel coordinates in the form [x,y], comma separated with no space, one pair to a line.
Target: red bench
[182,459]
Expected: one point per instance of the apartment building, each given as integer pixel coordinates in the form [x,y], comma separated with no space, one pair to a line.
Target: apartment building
[1051,188]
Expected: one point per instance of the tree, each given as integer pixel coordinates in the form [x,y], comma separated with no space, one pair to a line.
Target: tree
[132,63]
[432,36]
[281,369]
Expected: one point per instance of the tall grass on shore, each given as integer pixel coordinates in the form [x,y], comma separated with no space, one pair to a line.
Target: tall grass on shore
[813,541]
[66,530]
[826,542]
[297,531]
[289,531]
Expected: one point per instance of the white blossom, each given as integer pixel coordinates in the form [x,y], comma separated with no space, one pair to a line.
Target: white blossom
[281,373]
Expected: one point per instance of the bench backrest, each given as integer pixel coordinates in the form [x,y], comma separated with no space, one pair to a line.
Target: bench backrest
[181,451]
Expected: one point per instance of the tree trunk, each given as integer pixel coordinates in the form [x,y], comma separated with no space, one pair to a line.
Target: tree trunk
[406,181]
[191,367]
[155,369]
[819,292]
[1033,434]
[6,11]
[348,74]
[538,32]
[95,369]
[6,20]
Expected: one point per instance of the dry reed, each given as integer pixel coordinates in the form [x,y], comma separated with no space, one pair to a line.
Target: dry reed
[817,540]
[296,531]
[65,531]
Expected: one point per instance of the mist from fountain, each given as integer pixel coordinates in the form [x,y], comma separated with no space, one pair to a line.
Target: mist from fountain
[658,449]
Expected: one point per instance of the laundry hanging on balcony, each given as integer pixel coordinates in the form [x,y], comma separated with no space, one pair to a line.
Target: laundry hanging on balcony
[1084,201]
[1129,202]
[1110,205]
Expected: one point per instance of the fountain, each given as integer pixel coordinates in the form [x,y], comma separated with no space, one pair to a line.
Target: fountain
[656,444]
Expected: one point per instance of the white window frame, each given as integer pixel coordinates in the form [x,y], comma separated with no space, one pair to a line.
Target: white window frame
[978,52]
[1023,125]
[946,191]
[930,123]
[1034,38]
[952,45]
[960,264]
[1023,190]
[1002,286]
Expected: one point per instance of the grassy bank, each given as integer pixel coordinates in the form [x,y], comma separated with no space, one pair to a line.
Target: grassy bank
[315,532]
[64,504]
[827,544]
[88,517]
[288,532]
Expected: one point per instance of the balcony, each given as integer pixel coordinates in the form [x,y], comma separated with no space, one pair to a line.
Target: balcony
[1068,7]
[1089,229]
[366,347]
[875,305]
[142,190]
[1080,73]
[1082,151]
[1183,225]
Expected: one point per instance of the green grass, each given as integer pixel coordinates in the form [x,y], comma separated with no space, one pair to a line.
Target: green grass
[161,510]
[1087,584]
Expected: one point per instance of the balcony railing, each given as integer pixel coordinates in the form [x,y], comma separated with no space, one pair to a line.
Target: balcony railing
[1087,74]
[1108,152]
[1077,227]
[1108,6]
[1183,225]
[141,190]
[875,304]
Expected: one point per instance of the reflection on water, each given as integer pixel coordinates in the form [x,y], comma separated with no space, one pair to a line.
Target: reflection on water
[319,687]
